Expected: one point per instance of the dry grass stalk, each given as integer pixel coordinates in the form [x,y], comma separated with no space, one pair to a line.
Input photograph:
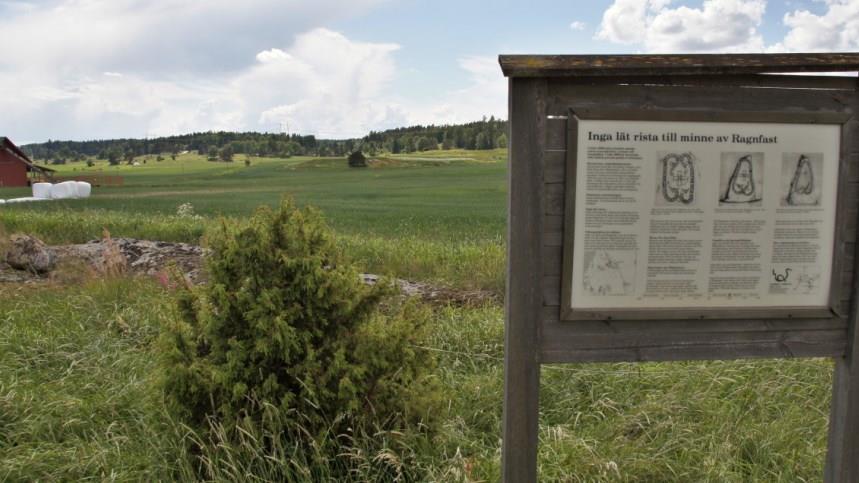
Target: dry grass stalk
[113,262]
[5,243]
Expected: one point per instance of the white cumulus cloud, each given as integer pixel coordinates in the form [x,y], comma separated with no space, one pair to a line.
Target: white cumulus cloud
[325,84]
[127,68]
[115,68]
[485,95]
[624,22]
[837,29]
[728,26]
[272,55]
[160,36]
[716,26]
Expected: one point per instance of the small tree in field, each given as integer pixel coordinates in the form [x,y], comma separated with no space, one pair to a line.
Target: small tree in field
[113,157]
[285,335]
[226,154]
[357,160]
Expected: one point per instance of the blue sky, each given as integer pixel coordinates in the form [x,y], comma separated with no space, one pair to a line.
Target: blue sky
[339,68]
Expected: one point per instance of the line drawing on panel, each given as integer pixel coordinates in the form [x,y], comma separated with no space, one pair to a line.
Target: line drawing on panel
[744,185]
[609,272]
[806,283]
[678,178]
[804,173]
[803,280]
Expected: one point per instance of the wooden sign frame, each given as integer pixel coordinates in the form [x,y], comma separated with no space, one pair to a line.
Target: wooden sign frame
[543,90]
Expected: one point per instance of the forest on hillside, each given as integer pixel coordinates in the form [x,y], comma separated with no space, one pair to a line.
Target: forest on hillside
[484,134]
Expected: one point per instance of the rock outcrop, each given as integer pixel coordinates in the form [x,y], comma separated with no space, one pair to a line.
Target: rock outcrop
[141,256]
[28,253]
[34,260]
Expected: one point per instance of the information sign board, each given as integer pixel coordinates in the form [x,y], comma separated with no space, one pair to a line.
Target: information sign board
[702,215]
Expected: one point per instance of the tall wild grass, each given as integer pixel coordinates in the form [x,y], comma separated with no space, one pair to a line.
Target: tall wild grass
[459,263]
[77,403]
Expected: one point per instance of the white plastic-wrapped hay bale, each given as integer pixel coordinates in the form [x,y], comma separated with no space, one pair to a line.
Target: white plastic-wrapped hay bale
[84,189]
[26,199]
[2,202]
[64,190]
[42,190]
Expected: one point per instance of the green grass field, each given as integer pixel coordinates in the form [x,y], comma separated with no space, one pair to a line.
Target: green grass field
[444,195]
[77,361]
[438,218]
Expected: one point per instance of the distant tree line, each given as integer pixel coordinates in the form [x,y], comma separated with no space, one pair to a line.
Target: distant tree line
[485,134]
[222,144]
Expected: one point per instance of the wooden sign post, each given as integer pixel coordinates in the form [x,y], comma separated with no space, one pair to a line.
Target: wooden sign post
[677,207]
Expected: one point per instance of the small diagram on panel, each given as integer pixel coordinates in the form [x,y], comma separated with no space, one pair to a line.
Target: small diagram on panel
[807,282]
[801,179]
[676,179]
[786,280]
[609,272]
[741,179]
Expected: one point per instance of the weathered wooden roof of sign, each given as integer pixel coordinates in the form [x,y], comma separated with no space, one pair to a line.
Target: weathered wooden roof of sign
[675,64]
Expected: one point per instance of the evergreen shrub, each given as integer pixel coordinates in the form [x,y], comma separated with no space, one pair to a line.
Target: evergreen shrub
[284,334]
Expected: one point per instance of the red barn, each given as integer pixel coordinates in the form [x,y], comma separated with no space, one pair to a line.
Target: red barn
[16,168]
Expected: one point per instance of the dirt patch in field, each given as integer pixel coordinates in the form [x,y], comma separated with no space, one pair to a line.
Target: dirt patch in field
[383,163]
[436,159]
[204,191]
[377,163]
[318,163]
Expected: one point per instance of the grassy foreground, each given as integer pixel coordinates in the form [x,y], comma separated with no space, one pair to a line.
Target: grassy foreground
[77,361]
[77,402]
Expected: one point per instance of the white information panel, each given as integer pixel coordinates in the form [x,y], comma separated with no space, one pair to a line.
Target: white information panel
[703,214]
